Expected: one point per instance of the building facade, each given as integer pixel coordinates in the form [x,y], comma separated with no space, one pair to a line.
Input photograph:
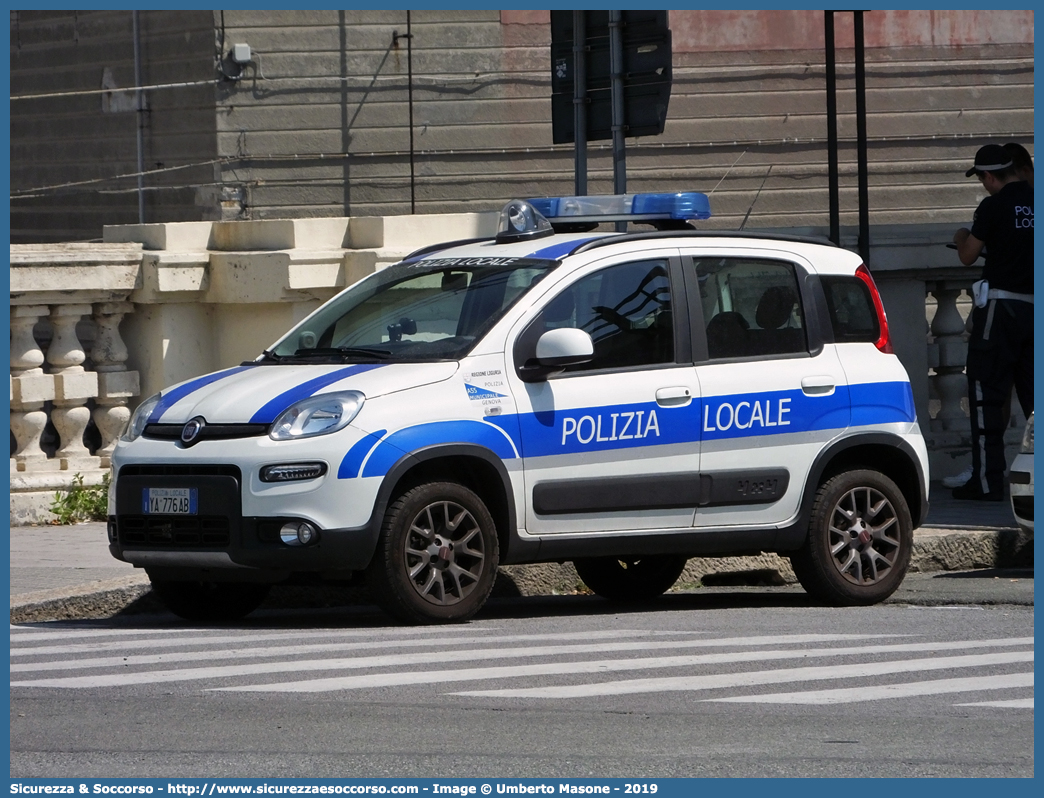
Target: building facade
[375,113]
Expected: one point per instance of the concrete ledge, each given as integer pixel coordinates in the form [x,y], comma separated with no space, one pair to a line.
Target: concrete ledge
[934,550]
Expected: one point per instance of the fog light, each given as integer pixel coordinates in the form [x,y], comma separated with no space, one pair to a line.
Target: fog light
[112,529]
[298,533]
[291,472]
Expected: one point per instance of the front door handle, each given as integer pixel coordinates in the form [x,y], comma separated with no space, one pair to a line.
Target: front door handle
[821,385]
[673,397]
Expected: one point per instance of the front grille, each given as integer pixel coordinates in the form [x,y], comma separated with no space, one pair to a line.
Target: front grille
[211,432]
[204,531]
[168,470]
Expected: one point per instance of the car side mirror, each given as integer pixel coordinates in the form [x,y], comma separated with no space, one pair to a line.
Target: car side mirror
[556,349]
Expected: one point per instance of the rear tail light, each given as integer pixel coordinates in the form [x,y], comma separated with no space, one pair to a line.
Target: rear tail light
[884,340]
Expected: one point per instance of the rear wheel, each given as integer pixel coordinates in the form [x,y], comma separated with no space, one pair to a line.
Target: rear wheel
[859,540]
[631,578]
[437,556]
[210,601]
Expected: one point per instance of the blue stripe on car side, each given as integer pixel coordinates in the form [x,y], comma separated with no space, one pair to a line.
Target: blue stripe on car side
[878,403]
[271,409]
[611,427]
[422,436]
[353,460]
[173,396]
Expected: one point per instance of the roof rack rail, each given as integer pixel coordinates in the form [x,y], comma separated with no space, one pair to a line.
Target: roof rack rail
[656,234]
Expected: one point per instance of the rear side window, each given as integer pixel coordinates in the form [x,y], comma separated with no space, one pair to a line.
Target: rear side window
[851,310]
[752,307]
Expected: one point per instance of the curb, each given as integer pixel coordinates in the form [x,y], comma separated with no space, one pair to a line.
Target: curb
[934,549]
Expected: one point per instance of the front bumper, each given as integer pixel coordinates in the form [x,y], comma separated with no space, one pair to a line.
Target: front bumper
[218,537]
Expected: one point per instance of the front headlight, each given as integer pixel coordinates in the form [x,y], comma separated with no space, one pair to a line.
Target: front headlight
[1027,437]
[139,419]
[317,415]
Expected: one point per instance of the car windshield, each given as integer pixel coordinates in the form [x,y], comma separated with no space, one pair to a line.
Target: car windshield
[434,309]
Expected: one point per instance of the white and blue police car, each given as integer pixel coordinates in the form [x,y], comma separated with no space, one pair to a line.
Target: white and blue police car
[624,401]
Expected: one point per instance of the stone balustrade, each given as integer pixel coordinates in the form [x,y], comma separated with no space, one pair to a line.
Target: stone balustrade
[97,327]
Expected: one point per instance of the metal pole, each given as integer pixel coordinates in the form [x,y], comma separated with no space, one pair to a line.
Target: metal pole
[139,116]
[409,79]
[616,83]
[831,106]
[580,103]
[864,177]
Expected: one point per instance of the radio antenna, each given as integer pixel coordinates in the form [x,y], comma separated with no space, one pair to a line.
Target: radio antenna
[763,182]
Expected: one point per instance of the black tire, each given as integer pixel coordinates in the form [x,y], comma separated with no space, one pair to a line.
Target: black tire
[631,578]
[437,555]
[210,602]
[859,540]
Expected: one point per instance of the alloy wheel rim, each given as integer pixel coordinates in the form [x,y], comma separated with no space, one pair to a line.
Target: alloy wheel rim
[444,553]
[864,536]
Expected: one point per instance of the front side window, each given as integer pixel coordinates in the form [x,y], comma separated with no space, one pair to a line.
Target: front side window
[429,310]
[627,311]
[751,307]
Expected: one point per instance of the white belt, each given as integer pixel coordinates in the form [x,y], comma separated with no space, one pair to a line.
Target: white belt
[999,293]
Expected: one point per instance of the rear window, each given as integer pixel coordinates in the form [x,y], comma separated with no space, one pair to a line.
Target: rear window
[851,310]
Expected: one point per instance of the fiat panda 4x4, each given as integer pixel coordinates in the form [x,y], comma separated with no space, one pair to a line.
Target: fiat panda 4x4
[623,401]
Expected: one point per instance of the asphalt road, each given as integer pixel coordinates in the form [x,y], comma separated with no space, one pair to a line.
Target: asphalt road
[716,682]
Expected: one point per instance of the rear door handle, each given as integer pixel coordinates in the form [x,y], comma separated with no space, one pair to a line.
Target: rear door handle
[673,397]
[822,385]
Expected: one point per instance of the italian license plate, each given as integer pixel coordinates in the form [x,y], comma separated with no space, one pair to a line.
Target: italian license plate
[169,501]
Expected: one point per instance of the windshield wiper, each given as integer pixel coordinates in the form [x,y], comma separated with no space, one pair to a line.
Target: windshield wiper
[338,351]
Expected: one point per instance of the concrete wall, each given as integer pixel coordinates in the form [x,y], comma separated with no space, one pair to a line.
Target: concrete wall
[70,139]
[318,125]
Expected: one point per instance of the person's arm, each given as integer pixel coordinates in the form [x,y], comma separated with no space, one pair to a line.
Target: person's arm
[968,246]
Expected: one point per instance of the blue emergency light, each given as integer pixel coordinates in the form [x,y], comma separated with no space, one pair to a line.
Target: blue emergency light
[536,218]
[624,207]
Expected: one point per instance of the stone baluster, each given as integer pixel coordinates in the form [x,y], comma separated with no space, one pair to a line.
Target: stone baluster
[116,385]
[30,389]
[73,386]
[947,356]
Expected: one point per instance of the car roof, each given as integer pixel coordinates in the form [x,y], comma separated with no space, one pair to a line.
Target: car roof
[561,245]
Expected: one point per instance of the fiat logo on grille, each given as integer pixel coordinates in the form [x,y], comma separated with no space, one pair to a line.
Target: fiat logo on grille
[190,432]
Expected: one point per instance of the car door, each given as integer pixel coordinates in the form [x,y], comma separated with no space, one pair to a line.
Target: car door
[612,444]
[772,394]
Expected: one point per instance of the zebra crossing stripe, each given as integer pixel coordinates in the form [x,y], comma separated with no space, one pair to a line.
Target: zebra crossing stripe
[313,648]
[425,658]
[849,695]
[1014,703]
[573,668]
[748,679]
[123,645]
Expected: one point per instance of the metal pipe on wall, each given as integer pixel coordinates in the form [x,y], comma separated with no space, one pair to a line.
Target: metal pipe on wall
[139,116]
[616,93]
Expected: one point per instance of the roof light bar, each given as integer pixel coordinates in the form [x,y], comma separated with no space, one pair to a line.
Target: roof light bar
[624,207]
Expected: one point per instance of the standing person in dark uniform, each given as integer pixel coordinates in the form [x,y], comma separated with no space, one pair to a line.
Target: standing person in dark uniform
[1000,351]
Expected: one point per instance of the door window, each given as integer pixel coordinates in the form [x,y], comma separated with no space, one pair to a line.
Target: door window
[752,307]
[627,311]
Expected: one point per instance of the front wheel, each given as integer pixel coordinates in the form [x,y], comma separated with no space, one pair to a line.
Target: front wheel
[859,540]
[210,602]
[437,556]
[631,578]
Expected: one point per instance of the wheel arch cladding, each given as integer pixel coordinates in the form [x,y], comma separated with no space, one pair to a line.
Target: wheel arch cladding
[475,467]
[888,455]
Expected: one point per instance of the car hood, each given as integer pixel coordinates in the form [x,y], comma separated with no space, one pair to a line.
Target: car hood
[257,394]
